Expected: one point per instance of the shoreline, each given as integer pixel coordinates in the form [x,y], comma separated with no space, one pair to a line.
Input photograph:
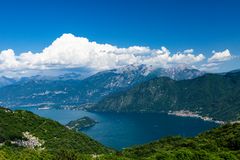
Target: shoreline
[179,113]
[187,113]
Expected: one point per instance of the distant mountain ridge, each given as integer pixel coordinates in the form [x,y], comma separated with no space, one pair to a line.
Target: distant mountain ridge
[5,81]
[70,90]
[212,95]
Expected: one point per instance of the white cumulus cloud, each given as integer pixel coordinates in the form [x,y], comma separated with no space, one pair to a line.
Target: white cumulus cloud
[69,51]
[220,56]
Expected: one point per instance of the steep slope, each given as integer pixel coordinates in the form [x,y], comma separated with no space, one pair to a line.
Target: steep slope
[18,128]
[216,96]
[74,92]
[177,73]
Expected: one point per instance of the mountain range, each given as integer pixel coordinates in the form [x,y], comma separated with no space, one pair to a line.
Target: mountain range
[74,90]
[212,95]
[5,81]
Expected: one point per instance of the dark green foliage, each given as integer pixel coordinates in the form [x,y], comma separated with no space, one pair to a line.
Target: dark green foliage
[81,123]
[219,143]
[55,136]
[216,96]
[227,136]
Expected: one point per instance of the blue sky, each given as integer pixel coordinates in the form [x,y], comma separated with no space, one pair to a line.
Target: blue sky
[203,25]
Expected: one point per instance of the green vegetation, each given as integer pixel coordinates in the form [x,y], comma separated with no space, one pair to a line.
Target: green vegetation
[220,143]
[212,95]
[54,136]
[81,123]
[60,143]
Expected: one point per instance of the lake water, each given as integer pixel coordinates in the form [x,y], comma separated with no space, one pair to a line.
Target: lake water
[121,130]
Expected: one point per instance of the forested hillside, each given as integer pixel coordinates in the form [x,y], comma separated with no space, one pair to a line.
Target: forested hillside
[24,135]
[212,95]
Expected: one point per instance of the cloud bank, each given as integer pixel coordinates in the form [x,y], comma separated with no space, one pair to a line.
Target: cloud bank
[69,51]
[218,61]
[220,56]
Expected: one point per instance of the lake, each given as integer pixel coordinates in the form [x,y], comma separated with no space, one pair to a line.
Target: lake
[121,130]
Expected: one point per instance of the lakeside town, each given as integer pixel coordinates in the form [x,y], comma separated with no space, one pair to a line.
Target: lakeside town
[187,113]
